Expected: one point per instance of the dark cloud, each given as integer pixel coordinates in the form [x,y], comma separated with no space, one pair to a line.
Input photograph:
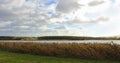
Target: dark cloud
[6,14]
[95,3]
[66,6]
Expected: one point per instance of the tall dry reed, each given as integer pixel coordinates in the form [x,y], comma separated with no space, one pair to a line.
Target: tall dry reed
[78,50]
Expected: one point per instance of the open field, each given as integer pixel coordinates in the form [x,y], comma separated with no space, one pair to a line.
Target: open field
[102,51]
[7,57]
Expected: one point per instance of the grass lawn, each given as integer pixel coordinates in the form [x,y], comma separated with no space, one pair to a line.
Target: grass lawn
[7,57]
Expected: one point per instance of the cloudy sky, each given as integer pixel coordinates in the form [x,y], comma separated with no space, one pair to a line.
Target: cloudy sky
[59,17]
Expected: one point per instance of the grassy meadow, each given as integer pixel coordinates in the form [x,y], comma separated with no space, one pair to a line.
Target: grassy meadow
[8,57]
[73,50]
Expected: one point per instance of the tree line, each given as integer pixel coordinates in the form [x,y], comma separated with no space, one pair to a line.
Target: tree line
[57,38]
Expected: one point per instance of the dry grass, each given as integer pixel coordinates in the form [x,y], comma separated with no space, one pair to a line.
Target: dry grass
[78,50]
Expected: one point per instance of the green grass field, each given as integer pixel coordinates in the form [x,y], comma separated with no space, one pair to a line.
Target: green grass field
[8,57]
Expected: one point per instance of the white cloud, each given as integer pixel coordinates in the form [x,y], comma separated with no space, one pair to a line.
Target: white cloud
[4,24]
[20,17]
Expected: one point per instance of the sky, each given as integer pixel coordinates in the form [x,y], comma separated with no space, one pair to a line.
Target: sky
[60,18]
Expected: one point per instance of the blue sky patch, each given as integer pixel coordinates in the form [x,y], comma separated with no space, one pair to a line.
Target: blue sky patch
[50,2]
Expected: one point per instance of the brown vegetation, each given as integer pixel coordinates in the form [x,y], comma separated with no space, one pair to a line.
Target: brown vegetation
[78,50]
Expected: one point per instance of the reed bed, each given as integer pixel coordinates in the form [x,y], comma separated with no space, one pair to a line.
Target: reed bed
[109,51]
